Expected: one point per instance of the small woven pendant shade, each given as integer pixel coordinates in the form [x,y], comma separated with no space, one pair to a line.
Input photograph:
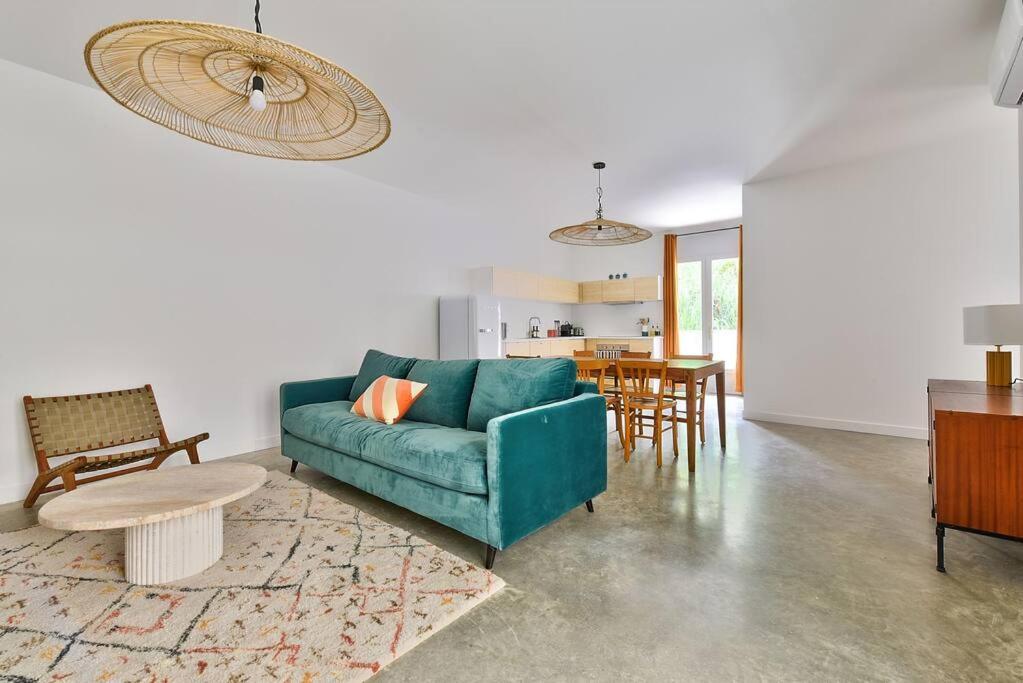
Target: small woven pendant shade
[600,231]
[195,78]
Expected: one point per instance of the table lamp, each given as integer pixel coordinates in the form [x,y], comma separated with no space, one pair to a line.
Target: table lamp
[995,326]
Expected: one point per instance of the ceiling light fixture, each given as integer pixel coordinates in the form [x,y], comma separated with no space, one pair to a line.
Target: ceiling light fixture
[237,89]
[600,231]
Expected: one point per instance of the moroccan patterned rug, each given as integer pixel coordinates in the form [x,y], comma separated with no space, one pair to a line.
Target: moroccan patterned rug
[309,589]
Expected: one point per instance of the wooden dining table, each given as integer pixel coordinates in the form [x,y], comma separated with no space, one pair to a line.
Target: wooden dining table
[689,372]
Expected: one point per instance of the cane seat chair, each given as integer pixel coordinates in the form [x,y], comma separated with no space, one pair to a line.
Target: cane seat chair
[63,426]
[645,390]
[595,370]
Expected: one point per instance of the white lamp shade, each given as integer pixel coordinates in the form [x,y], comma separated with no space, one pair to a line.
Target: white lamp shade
[993,325]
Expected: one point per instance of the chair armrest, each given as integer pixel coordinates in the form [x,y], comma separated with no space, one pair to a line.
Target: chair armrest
[542,462]
[294,394]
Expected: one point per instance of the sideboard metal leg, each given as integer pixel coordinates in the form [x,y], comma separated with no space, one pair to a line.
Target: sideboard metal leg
[939,531]
[294,466]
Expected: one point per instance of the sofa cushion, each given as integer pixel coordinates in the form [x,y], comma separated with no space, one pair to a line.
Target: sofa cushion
[446,400]
[453,458]
[376,363]
[510,385]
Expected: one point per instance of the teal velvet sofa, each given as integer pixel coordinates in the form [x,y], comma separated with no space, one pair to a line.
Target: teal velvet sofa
[496,449]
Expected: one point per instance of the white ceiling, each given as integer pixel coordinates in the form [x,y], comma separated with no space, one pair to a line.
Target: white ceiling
[502,106]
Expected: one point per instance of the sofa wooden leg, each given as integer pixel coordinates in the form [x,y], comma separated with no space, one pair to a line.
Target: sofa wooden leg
[589,506]
[491,556]
[294,466]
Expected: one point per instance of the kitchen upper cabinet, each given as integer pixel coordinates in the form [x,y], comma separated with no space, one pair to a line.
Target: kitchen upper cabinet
[559,290]
[629,290]
[648,288]
[591,292]
[618,291]
[515,284]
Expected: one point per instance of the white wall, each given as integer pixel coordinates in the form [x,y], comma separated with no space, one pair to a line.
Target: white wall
[131,254]
[856,276]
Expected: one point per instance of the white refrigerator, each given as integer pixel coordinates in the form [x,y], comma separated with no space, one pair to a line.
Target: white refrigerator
[470,327]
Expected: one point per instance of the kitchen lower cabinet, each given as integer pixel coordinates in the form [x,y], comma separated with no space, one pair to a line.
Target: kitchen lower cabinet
[516,348]
[545,348]
[565,346]
[641,344]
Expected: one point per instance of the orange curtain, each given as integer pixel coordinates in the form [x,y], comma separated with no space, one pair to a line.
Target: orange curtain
[670,286]
[738,339]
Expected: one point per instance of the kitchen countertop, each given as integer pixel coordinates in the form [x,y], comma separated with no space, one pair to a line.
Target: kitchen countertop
[585,336]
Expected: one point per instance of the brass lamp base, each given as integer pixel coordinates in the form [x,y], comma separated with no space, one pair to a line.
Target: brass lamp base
[999,368]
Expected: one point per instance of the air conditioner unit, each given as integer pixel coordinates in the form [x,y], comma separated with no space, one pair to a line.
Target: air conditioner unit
[1005,71]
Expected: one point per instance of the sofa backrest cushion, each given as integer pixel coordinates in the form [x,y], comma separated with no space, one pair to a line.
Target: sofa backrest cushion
[446,399]
[510,385]
[376,364]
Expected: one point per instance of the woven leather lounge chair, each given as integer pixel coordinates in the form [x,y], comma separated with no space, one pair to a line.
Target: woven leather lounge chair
[68,425]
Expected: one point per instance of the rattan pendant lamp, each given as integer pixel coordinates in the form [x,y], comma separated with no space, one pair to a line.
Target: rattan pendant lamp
[600,231]
[237,89]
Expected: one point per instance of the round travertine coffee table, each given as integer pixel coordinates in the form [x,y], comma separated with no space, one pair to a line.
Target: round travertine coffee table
[173,518]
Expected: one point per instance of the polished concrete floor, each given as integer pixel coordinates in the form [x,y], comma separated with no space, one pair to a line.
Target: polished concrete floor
[800,554]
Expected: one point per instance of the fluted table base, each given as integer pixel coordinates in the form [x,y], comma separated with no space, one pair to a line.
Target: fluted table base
[174,548]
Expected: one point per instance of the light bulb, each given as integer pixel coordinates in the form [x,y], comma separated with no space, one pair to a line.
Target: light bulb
[257,100]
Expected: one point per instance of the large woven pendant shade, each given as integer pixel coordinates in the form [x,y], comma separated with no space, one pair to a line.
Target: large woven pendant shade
[600,231]
[196,79]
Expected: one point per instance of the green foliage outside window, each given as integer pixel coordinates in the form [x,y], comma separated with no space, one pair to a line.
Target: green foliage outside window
[725,279]
[725,286]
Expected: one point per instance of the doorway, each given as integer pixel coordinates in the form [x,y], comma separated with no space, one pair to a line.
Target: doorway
[708,297]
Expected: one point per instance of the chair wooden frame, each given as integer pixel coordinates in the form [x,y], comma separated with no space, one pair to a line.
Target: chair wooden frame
[69,425]
[595,370]
[645,389]
[678,390]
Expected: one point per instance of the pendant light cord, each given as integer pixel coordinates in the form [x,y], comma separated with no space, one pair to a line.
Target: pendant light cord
[600,197]
[259,26]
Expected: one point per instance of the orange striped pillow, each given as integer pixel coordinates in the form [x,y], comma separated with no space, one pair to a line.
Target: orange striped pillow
[388,399]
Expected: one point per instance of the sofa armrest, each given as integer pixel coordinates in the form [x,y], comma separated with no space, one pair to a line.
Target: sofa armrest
[542,462]
[585,388]
[295,394]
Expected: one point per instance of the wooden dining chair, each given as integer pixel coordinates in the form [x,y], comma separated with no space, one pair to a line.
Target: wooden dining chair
[582,353]
[678,390]
[595,370]
[645,390]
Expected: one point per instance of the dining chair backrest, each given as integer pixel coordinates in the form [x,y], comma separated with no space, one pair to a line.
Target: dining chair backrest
[582,353]
[514,356]
[636,354]
[592,370]
[642,379]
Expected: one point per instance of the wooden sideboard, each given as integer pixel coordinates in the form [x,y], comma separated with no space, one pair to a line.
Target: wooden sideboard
[975,459]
